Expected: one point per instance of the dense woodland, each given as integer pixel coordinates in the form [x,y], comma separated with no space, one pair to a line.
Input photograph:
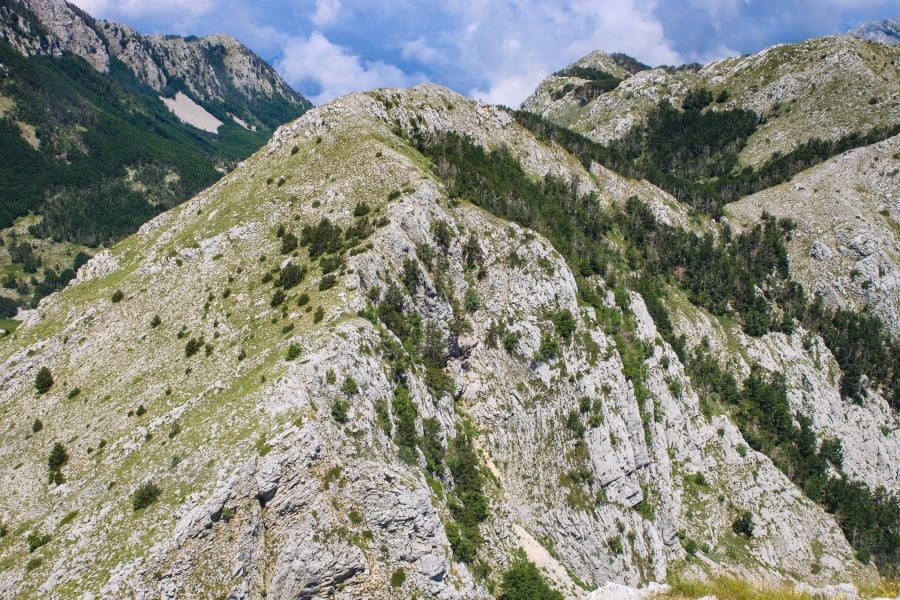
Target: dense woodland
[743,276]
[692,153]
[109,156]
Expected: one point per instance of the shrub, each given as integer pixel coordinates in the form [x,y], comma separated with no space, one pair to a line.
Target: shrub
[350,388]
[471,300]
[319,314]
[277,298]
[743,525]
[288,243]
[193,346]
[145,495]
[549,348]
[361,209]
[291,275]
[443,234]
[34,563]
[37,425]
[117,296]
[155,321]
[564,323]
[303,299]
[523,581]
[292,352]
[397,578]
[574,424]
[140,410]
[43,381]
[339,410]
[35,540]
[73,393]
[55,462]
[327,282]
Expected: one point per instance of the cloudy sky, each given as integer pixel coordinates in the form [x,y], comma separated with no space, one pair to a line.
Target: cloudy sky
[497,50]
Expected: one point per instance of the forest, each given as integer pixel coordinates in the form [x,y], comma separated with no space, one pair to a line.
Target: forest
[744,276]
[109,155]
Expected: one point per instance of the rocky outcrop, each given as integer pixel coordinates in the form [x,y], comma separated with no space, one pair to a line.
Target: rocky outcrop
[212,69]
[845,245]
[823,88]
[272,428]
[886,31]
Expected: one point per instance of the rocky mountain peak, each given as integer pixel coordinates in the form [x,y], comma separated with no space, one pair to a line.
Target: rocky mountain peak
[886,31]
[209,69]
[349,377]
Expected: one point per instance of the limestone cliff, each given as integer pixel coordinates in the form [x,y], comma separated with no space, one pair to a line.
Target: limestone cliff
[305,359]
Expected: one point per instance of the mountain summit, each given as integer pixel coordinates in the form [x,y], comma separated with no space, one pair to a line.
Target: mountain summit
[102,128]
[420,346]
[886,31]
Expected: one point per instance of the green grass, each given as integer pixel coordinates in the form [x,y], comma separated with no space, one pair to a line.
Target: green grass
[725,588]
[9,325]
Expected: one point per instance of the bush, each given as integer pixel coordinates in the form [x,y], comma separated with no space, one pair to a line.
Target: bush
[145,495]
[339,410]
[564,323]
[35,540]
[574,424]
[193,346]
[117,296]
[397,578]
[743,525]
[37,425]
[277,298]
[471,301]
[523,581]
[57,459]
[303,299]
[43,381]
[293,352]
[327,282]
[155,321]
[288,243]
[443,234]
[319,314]
[291,275]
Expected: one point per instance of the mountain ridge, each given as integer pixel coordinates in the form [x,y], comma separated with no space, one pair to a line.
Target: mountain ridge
[103,128]
[406,340]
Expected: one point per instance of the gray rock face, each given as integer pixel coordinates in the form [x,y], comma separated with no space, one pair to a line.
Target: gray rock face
[284,473]
[886,31]
[845,246]
[156,60]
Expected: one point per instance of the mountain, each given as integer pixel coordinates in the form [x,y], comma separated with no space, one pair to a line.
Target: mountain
[823,88]
[886,31]
[103,128]
[716,134]
[414,348]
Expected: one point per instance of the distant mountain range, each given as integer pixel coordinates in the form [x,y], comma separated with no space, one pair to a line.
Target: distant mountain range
[886,31]
[102,128]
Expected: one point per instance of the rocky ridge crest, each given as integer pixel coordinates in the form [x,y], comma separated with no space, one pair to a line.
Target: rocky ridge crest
[288,467]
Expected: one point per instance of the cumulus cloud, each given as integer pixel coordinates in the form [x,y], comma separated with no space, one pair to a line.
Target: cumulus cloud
[141,9]
[498,51]
[327,12]
[333,70]
[509,47]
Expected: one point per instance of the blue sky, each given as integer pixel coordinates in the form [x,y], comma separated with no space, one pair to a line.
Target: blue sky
[494,50]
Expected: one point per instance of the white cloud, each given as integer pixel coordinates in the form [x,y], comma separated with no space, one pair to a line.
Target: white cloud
[141,9]
[421,51]
[509,47]
[327,12]
[334,69]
